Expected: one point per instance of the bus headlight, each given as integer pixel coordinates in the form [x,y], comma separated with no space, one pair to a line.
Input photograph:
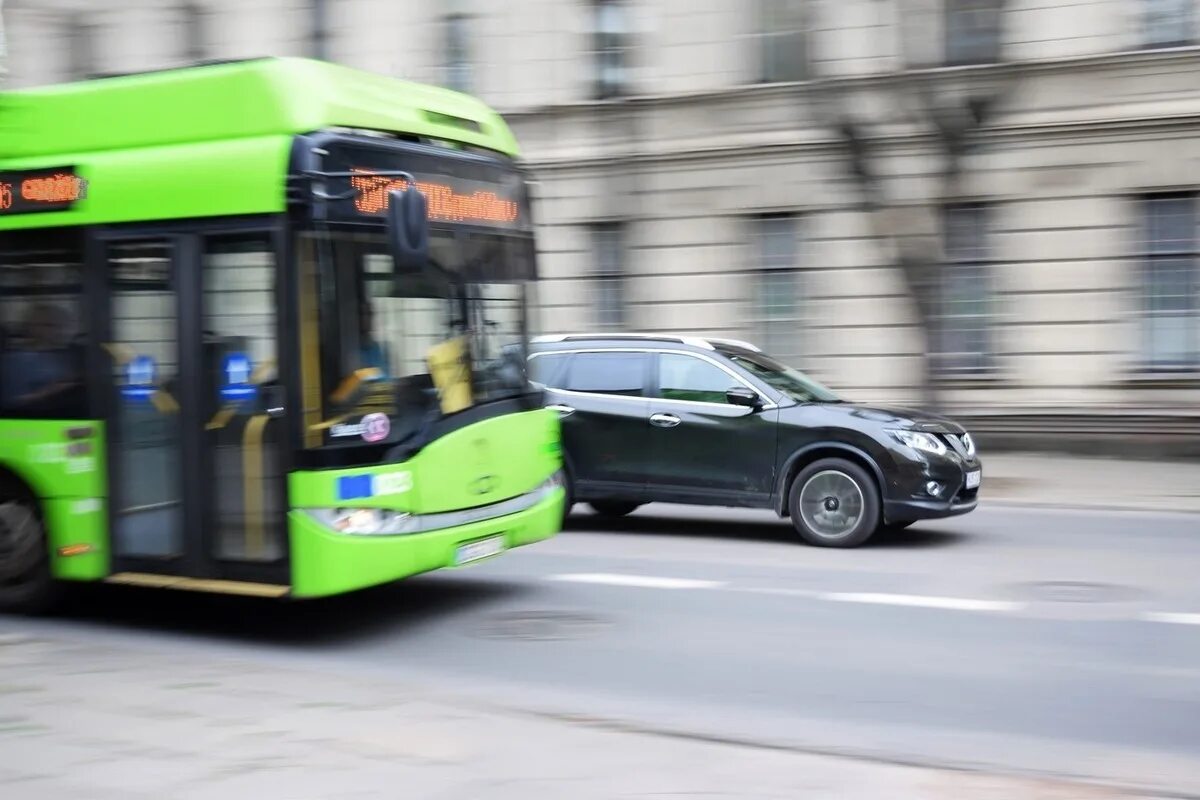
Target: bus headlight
[555,481]
[364,521]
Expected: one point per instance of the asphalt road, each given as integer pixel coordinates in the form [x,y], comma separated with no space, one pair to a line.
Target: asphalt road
[1064,642]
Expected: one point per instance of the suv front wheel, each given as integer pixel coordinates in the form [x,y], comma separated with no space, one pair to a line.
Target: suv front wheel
[614,508]
[834,503]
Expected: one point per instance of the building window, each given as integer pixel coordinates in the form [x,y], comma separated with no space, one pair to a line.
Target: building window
[608,245]
[1168,23]
[610,32]
[973,30]
[782,39]
[458,56]
[1171,287]
[191,21]
[81,38]
[777,312]
[963,323]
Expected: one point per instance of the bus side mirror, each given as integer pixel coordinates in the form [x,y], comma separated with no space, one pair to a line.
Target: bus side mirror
[408,230]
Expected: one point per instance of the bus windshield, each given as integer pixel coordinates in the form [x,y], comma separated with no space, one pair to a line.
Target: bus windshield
[399,354]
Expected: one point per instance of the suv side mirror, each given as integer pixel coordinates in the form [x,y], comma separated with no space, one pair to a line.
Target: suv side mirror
[741,396]
[408,229]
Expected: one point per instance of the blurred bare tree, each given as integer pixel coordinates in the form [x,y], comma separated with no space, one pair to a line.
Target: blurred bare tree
[947,107]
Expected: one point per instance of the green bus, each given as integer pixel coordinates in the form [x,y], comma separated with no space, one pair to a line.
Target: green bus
[216,371]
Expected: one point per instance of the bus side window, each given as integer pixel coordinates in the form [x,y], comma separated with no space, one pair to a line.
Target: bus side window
[42,350]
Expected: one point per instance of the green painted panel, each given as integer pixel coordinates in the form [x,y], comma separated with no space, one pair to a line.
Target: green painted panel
[206,179]
[214,140]
[518,451]
[74,523]
[39,452]
[243,99]
[325,563]
[68,477]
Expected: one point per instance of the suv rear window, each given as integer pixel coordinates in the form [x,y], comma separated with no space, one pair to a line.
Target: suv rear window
[608,373]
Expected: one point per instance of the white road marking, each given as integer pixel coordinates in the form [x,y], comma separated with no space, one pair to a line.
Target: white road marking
[870,598]
[781,591]
[1173,618]
[642,581]
[921,601]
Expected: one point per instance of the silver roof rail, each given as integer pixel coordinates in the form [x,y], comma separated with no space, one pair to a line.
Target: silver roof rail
[693,341]
[736,343]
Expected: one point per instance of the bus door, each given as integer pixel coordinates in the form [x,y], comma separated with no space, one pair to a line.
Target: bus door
[195,435]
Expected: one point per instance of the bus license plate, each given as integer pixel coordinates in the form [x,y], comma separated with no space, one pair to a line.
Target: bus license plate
[973,479]
[474,551]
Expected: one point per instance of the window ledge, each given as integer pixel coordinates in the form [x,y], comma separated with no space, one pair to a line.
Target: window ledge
[1182,379]
[968,380]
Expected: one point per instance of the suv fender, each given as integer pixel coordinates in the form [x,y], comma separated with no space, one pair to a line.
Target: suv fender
[809,452]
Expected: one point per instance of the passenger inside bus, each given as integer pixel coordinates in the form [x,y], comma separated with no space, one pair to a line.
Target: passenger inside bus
[42,366]
[372,353]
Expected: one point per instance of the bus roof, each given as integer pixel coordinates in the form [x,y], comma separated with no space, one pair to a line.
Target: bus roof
[213,140]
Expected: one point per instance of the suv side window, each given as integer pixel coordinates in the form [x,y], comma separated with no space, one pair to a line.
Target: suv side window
[608,373]
[682,377]
[547,369]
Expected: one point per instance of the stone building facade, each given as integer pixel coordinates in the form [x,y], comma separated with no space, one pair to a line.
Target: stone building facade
[693,177]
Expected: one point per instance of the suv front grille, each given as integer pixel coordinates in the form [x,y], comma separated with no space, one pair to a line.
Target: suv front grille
[957,443]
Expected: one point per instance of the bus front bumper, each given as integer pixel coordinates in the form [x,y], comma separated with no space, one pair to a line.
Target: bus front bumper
[327,563]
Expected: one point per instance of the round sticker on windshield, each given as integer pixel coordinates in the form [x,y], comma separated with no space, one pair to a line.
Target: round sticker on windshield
[376,427]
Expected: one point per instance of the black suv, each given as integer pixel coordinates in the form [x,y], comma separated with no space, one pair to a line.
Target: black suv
[677,419]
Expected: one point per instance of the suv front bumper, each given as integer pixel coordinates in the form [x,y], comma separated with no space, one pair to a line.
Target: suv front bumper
[909,500]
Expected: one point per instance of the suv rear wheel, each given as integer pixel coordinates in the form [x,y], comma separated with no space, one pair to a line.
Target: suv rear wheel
[834,503]
[614,508]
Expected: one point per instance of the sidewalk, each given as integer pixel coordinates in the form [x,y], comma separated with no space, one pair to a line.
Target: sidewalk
[1053,480]
[83,721]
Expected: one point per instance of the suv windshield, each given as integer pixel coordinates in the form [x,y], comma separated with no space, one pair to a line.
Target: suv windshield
[395,355]
[793,383]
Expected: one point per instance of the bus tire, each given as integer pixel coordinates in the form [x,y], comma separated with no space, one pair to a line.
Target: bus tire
[26,583]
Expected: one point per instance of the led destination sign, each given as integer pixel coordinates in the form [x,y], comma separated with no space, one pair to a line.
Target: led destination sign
[29,191]
[459,190]
[459,201]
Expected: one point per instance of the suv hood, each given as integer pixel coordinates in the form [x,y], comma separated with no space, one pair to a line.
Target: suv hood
[892,417]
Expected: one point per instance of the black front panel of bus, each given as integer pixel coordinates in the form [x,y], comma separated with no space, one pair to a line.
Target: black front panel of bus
[463,189]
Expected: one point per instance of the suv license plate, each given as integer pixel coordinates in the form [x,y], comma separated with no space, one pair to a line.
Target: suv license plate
[973,479]
[474,551]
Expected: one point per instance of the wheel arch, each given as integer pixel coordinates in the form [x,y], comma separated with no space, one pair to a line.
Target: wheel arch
[815,452]
[16,486]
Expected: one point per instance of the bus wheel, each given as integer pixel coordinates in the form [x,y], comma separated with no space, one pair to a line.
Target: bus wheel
[26,584]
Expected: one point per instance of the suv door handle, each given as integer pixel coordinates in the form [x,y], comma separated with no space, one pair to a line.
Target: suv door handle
[664,420]
[563,411]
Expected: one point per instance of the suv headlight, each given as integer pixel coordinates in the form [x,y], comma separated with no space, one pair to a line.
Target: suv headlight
[968,445]
[364,521]
[918,440]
